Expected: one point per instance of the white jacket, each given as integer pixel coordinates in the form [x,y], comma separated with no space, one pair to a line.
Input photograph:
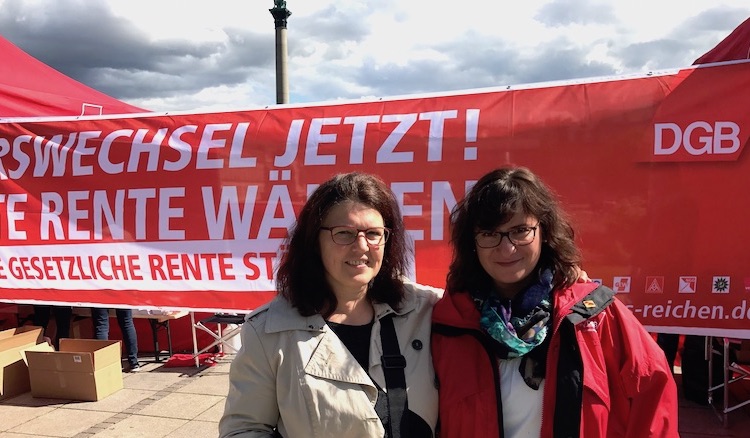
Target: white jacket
[294,373]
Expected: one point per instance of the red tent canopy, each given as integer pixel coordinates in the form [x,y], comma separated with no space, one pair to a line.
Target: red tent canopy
[735,46]
[30,88]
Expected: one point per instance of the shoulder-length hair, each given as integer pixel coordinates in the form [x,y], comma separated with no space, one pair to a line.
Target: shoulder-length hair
[493,200]
[301,274]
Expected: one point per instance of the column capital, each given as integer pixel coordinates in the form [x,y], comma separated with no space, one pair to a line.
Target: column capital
[280,14]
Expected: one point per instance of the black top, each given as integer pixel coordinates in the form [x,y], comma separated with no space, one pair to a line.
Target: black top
[356,338]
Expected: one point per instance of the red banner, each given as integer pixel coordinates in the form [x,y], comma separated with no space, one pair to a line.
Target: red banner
[188,211]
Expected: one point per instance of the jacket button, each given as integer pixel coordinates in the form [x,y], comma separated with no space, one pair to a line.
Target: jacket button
[417,344]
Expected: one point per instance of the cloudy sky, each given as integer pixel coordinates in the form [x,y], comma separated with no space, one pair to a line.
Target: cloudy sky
[188,55]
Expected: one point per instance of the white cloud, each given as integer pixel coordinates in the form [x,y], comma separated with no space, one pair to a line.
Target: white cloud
[178,55]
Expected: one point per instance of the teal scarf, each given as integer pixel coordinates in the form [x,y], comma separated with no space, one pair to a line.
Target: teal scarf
[520,326]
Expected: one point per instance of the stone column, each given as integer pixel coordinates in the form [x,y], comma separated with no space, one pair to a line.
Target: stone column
[280,14]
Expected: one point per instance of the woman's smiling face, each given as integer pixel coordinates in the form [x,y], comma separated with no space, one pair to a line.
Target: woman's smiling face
[350,268]
[509,265]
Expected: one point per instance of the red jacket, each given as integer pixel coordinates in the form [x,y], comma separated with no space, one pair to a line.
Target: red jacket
[628,388]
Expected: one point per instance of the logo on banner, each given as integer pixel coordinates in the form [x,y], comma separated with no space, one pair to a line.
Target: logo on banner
[654,285]
[687,284]
[720,285]
[747,284]
[697,141]
[621,285]
[599,281]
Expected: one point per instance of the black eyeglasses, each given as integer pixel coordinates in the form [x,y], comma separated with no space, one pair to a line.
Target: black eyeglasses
[519,236]
[343,235]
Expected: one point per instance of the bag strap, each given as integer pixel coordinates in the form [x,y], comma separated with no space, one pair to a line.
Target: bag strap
[393,369]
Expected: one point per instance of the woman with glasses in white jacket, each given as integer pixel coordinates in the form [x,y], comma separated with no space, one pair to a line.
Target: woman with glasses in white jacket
[320,360]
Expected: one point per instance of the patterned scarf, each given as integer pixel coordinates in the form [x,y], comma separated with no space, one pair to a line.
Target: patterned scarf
[519,327]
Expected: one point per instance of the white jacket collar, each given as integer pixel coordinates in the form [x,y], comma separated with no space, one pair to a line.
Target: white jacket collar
[282,316]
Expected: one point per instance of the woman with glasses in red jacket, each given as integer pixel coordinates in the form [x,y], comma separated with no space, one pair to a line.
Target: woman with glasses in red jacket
[520,348]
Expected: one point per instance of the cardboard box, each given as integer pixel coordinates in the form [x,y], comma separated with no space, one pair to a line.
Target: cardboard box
[81,328]
[14,374]
[83,369]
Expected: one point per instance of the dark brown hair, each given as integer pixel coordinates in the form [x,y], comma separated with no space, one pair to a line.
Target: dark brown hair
[493,200]
[301,275]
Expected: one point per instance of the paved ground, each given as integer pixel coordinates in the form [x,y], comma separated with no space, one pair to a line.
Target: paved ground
[699,421]
[156,402]
[188,402]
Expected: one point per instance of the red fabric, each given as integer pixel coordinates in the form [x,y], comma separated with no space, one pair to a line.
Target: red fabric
[628,387]
[187,360]
[735,46]
[30,88]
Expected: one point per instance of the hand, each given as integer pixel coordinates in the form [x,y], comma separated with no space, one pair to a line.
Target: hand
[583,277]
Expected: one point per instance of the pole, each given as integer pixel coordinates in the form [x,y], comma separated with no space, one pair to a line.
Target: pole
[280,14]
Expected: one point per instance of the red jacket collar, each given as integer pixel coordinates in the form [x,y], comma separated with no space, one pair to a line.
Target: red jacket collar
[457,309]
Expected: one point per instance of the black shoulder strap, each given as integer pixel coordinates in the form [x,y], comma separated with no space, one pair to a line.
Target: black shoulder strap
[393,368]
[592,304]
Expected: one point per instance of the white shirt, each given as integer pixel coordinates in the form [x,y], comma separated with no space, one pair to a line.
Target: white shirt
[522,406]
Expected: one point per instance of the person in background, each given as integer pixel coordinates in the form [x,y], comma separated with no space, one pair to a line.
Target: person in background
[670,343]
[520,348]
[347,337]
[100,317]
[63,316]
